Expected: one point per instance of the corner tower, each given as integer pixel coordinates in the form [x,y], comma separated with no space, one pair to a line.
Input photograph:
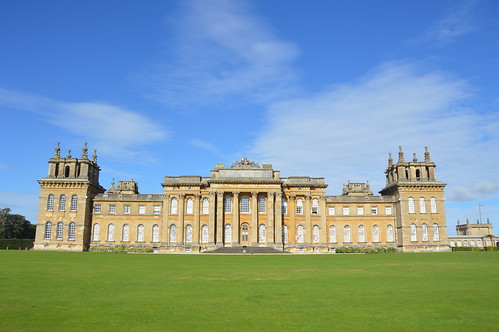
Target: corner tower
[419,203]
[65,203]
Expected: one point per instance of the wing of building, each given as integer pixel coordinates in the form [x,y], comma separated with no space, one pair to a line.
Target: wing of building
[245,205]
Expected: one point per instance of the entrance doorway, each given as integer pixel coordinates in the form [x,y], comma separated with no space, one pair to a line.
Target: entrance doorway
[245,234]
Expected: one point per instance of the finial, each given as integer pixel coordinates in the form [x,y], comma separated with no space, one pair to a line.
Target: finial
[467,221]
[390,159]
[458,221]
[414,157]
[426,154]
[69,154]
[401,154]
[94,156]
[112,183]
[84,152]
[57,152]
[488,221]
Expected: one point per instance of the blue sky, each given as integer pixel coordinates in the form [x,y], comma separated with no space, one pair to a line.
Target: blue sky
[319,88]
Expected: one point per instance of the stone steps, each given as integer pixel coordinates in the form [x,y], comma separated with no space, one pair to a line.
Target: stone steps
[247,250]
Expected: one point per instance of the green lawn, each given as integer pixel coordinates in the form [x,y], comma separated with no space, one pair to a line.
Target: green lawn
[58,291]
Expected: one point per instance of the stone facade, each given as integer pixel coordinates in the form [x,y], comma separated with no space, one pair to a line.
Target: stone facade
[477,235]
[242,205]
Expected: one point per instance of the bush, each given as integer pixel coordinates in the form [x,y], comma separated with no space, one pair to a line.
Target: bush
[15,244]
[121,248]
[365,250]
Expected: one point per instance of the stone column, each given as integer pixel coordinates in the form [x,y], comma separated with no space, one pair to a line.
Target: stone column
[254,218]
[278,219]
[270,216]
[181,226]
[220,218]
[196,228]
[235,223]
[308,226]
[165,218]
[323,223]
[212,218]
[292,212]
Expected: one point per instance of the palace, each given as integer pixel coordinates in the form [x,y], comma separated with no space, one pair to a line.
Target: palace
[242,206]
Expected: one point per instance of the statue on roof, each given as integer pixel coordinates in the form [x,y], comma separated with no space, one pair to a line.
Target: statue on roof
[245,163]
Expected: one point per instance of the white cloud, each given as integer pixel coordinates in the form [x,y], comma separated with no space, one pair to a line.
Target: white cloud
[20,203]
[204,145]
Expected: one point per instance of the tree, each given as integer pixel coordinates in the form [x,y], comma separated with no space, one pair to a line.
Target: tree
[15,226]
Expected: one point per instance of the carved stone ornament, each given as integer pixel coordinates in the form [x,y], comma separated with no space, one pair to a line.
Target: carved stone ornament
[245,163]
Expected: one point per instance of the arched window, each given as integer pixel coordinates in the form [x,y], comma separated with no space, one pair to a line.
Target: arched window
[59,230]
[262,233]
[50,203]
[245,205]
[188,234]
[452,243]
[227,204]
[346,234]
[261,204]
[173,205]
[244,232]
[62,203]
[418,174]
[71,231]
[48,230]
[389,233]
[433,205]
[155,233]
[411,205]
[110,232]
[299,234]
[96,232]
[362,234]
[125,237]
[472,243]
[67,171]
[459,243]
[332,234]
[204,234]
[424,232]
[173,233]
[414,236]
[376,233]
[140,233]
[206,206]
[422,205]
[284,206]
[189,208]
[465,243]
[228,233]
[315,233]
[299,206]
[285,234]
[436,235]
[315,206]
[74,203]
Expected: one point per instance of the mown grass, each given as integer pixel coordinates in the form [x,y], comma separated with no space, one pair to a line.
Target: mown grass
[58,291]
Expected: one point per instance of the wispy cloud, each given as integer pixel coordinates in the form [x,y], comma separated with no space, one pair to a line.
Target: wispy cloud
[201,144]
[114,130]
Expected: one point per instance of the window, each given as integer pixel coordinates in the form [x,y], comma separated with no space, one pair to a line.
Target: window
[110,232]
[389,233]
[228,233]
[346,234]
[97,208]
[422,205]
[206,206]
[411,205]
[48,230]
[112,208]
[459,243]
[126,233]
[413,233]
[173,233]
[315,206]
[72,231]
[228,204]
[96,232]
[142,209]
[262,234]
[59,230]
[362,234]
[173,206]
[188,234]
[189,208]
[375,233]
[299,206]
[74,203]
[346,210]
[140,233]
[360,210]
[472,243]
[204,234]
[126,209]
[299,234]
[424,232]
[261,204]
[433,205]
[155,233]
[285,234]
[332,211]
[388,210]
[62,203]
[156,209]
[284,206]
[244,232]
[374,210]
[452,243]
[332,234]
[436,235]
[50,203]
[315,233]
[245,206]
